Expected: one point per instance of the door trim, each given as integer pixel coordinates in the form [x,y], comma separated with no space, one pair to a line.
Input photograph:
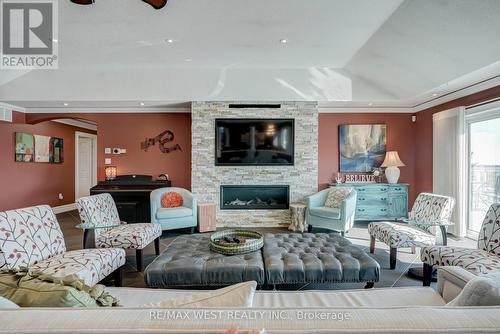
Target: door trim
[93,137]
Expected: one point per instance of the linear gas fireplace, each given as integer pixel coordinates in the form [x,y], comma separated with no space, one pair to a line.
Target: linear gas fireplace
[254,197]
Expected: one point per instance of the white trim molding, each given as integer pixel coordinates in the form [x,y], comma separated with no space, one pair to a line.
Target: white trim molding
[463,92]
[104,110]
[12,107]
[360,110]
[77,123]
[64,208]
[78,135]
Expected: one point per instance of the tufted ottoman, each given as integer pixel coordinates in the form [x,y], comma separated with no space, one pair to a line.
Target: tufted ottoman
[188,261]
[316,258]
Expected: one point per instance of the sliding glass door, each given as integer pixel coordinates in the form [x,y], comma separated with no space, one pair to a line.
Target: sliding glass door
[484,166]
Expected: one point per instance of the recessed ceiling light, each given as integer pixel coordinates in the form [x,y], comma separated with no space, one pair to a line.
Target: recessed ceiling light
[169,41]
[55,40]
[142,103]
[65,104]
[188,59]
[283,41]
[370,104]
[435,94]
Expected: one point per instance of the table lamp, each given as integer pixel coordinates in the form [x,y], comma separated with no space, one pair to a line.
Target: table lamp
[392,162]
[110,172]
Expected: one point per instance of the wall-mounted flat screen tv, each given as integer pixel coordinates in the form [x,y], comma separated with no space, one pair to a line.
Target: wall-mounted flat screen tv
[255,142]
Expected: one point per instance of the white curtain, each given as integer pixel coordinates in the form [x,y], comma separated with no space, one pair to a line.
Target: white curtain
[449,169]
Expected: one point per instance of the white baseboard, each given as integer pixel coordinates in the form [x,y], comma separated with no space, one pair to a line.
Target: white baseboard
[64,208]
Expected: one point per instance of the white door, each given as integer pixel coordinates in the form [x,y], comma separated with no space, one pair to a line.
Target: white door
[85,166]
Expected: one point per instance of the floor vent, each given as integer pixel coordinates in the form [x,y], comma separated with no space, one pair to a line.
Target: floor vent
[254,106]
[5,114]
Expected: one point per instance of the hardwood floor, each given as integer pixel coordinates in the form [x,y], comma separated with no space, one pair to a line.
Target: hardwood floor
[358,236]
[131,277]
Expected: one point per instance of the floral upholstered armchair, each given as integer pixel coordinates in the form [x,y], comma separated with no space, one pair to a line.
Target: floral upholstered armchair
[480,261]
[99,211]
[425,226]
[32,238]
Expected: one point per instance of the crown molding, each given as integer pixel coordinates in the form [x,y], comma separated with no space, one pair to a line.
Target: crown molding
[101,110]
[12,107]
[77,123]
[459,93]
[359,110]
[323,107]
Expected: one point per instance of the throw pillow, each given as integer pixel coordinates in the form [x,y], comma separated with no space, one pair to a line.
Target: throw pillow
[480,291]
[39,290]
[171,200]
[336,197]
[237,295]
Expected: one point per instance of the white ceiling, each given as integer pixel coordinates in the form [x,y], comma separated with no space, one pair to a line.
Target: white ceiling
[345,53]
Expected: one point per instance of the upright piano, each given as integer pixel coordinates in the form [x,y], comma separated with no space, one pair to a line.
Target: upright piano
[132,195]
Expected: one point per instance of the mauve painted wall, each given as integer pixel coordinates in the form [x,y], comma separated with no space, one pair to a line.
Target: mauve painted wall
[423,133]
[27,184]
[400,137]
[128,130]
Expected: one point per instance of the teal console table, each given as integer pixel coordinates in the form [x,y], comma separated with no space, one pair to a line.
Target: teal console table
[379,201]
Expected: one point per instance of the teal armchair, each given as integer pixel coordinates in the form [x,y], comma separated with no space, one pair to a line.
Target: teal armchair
[173,218]
[337,219]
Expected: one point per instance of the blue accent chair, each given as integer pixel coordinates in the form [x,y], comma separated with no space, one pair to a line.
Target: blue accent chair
[173,218]
[340,220]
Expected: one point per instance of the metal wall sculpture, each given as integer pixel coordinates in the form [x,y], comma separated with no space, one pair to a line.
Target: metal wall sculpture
[162,139]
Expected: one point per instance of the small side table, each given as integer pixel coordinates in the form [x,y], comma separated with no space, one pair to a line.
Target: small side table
[298,212]
[207,217]
[88,227]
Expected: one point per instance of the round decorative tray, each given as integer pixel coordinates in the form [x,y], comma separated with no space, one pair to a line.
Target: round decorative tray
[235,242]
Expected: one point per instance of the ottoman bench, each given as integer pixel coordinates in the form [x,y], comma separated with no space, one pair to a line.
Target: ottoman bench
[189,262]
[288,258]
[316,258]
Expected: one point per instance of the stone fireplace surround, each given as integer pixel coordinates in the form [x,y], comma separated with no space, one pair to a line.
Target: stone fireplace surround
[207,178]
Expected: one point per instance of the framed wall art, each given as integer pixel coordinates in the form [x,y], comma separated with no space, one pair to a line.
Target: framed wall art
[24,147]
[362,147]
[36,148]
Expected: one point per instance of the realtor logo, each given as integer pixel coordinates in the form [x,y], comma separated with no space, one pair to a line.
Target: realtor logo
[29,34]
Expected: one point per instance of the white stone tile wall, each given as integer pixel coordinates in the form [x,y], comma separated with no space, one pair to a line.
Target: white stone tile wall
[207,178]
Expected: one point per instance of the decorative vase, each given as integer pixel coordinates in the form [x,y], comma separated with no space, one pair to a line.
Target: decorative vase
[392,174]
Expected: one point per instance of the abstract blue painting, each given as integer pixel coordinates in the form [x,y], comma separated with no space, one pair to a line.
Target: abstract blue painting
[362,147]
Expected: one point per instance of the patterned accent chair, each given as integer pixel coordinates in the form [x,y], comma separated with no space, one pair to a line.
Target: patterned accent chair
[32,238]
[338,219]
[419,230]
[173,218]
[100,210]
[480,261]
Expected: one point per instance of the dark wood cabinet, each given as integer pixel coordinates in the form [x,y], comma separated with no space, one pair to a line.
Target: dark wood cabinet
[132,195]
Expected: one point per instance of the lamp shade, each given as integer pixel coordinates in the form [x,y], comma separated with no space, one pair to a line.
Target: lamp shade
[392,160]
[110,172]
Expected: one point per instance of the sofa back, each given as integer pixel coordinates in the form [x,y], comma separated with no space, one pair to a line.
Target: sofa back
[274,320]
[28,236]
[489,236]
